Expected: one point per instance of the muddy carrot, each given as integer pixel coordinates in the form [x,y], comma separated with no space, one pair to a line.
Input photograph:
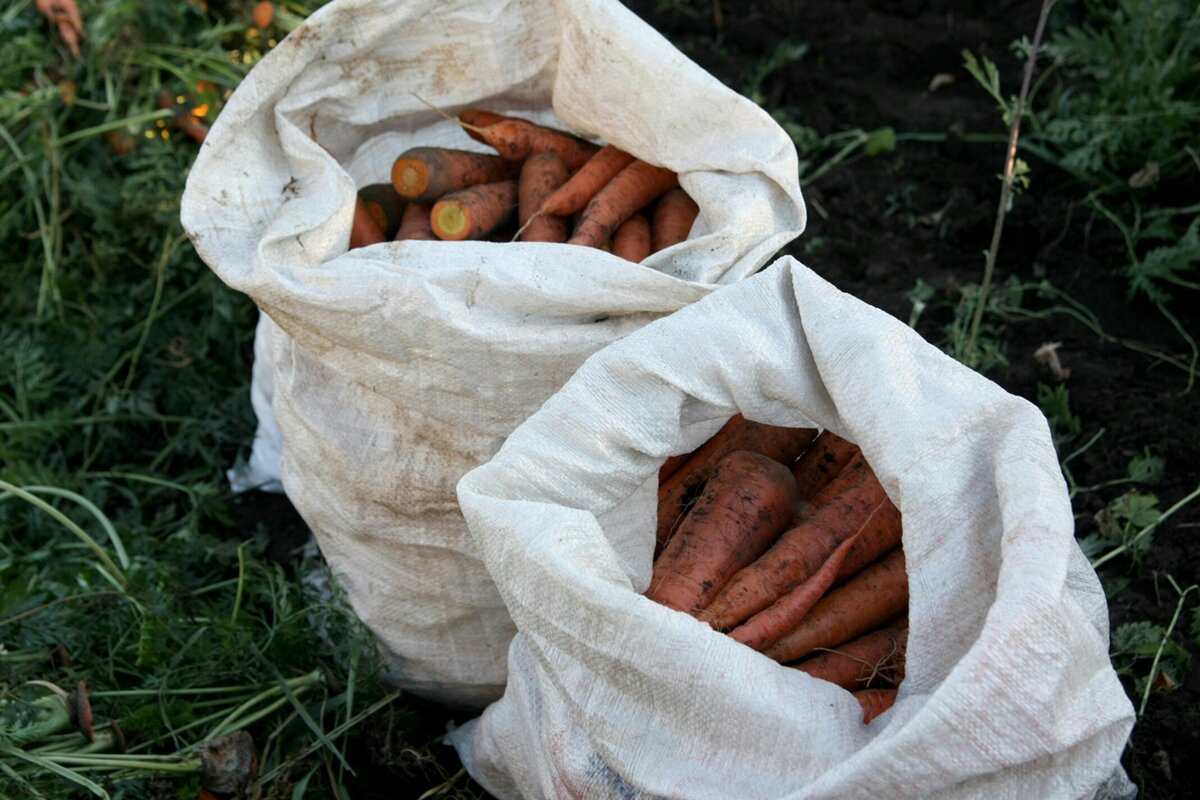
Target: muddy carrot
[363,230]
[881,534]
[874,702]
[672,464]
[778,443]
[630,189]
[873,657]
[385,205]
[836,514]
[472,118]
[474,213]
[574,195]
[415,224]
[540,176]
[822,462]
[425,174]
[518,139]
[866,601]
[673,218]
[745,504]
[632,239]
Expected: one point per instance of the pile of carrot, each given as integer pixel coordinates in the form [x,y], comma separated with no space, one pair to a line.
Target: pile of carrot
[542,185]
[785,540]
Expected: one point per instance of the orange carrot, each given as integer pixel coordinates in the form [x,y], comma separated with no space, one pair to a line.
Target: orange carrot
[385,205]
[880,535]
[874,702]
[745,504]
[363,230]
[540,176]
[474,213]
[472,118]
[764,628]
[822,462]
[518,139]
[574,195]
[632,239]
[673,218]
[425,174]
[670,466]
[872,657]
[65,16]
[836,514]
[629,190]
[777,443]
[185,120]
[866,601]
[263,14]
[415,225]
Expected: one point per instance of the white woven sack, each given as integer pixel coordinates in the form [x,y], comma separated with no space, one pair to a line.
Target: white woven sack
[1008,692]
[398,367]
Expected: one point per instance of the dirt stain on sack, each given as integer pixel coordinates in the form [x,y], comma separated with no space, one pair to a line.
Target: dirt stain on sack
[450,70]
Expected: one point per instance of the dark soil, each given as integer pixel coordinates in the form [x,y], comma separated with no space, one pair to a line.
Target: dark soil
[926,211]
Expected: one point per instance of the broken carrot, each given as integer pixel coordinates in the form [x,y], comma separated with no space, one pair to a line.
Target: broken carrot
[65,16]
[385,205]
[425,174]
[541,174]
[673,217]
[474,213]
[746,503]
[634,187]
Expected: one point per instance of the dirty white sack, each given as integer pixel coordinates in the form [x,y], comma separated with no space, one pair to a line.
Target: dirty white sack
[1008,692]
[399,367]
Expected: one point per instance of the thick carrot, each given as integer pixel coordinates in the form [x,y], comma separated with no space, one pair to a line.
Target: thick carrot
[822,462]
[874,702]
[764,628]
[415,225]
[673,218]
[836,514]
[425,174]
[866,601]
[746,503]
[672,464]
[518,139]
[385,205]
[474,213]
[540,176]
[778,443]
[630,189]
[872,657]
[880,535]
[574,195]
[363,230]
[632,239]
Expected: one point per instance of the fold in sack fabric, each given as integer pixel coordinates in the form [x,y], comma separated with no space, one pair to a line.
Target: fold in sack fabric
[394,369]
[1009,692]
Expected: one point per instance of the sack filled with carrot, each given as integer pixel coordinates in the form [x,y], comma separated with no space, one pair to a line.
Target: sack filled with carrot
[984,623]
[403,362]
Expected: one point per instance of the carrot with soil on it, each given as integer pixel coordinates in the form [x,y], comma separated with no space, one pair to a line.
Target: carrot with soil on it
[777,443]
[673,218]
[415,224]
[574,195]
[882,534]
[866,601]
[474,213]
[518,139]
[746,503]
[671,465]
[822,462]
[65,16]
[835,515]
[872,657]
[630,190]
[874,702]
[540,176]
[632,239]
[425,174]
[363,230]
[385,205]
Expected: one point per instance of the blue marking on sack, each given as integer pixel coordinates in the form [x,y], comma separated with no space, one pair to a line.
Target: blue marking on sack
[599,768]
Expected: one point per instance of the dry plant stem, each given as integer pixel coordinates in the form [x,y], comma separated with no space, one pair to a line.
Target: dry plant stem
[1010,163]
[1163,643]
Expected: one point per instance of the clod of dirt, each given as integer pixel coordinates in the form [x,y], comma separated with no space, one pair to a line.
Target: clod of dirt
[228,763]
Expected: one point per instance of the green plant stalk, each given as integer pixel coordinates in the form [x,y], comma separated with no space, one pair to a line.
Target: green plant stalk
[1116,551]
[1163,643]
[57,769]
[110,566]
[1010,162]
[104,521]
[295,684]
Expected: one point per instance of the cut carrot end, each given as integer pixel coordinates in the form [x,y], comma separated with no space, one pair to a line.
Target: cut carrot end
[410,177]
[451,221]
